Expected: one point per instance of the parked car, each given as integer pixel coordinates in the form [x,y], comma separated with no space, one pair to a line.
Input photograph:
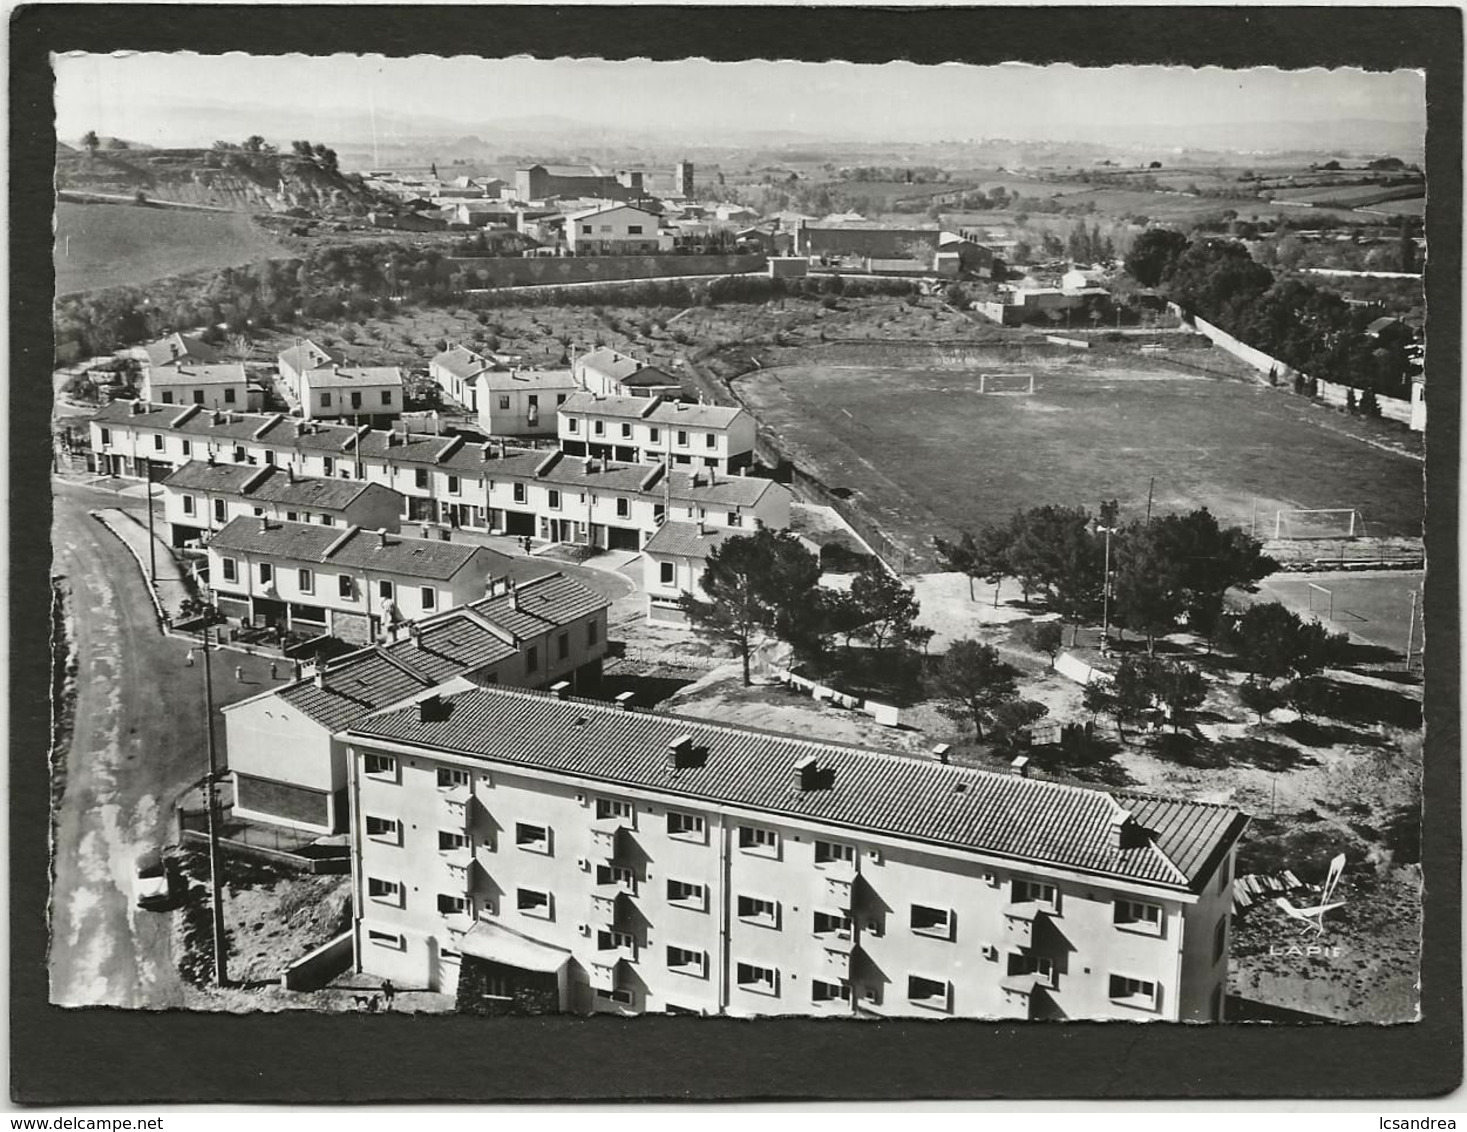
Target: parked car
[152,882]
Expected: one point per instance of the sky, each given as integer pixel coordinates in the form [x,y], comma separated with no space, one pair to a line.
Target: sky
[159,98]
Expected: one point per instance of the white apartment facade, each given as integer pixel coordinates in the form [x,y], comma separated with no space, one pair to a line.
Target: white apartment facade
[585,859]
[520,402]
[653,430]
[368,394]
[219,386]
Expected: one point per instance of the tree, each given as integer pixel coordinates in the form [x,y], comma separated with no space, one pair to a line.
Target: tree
[1153,255]
[1308,695]
[974,682]
[1180,689]
[749,582]
[1128,698]
[887,607]
[1044,636]
[254,144]
[1259,698]
[1011,718]
[1275,642]
[90,141]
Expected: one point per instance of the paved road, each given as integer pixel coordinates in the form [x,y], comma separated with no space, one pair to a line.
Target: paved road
[129,757]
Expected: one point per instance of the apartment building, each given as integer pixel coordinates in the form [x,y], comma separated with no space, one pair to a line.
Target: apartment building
[366,394]
[221,386]
[305,355]
[286,752]
[580,857]
[648,430]
[349,583]
[202,497]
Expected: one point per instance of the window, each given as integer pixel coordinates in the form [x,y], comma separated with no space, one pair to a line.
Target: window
[532,659]
[623,508]
[345,588]
[188,448]
[562,646]
[384,590]
[682,439]
[821,991]
[532,838]
[356,400]
[449,840]
[598,428]
[430,597]
[387,939]
[231,569]
[560,398]
[267,573]
[735,519]
[452,905]
[608,808]
[257,511]
[654,435]
[385,828]
[1138,915]
[572,424]
[533,902]
[328,465]
[292,516]
[757,910]
[760,980]
[927,992]
[690,826]
[198,396]
[519,493]
[593,633]
[229,396]
[832,923]
[504,401]
[606,227]
[452,485]
[219,510]
[711,440]
[1222,873]
[307,581]
[387,891]
[1220,939]
[932,921]
[325,400]
[830,852]
[666,572]
[167,397]
[380,766]
[107,440]
[451,776]
[634,229]
[686,961]
[554,500]
[585,229]
[1035,892]
[387,396]
[188,504]
[752,839]
[626,429]
[609,939]
[1040,966]
[327,521]
[157,442]
[1133,992]
[621,997]
[618,876]
[533,400]
[420,477]
[269,456]
[687,894]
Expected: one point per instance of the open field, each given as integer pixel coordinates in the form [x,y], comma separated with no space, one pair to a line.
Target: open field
[104,245]
[1374,606]
[927,453]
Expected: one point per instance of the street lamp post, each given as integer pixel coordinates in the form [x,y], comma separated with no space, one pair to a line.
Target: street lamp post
[1105,595]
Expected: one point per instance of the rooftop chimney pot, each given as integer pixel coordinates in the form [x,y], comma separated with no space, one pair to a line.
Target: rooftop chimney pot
[940,752]
[1019,766]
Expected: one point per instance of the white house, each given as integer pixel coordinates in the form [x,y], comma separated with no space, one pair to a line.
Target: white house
[454,371]
[616,229]
[650,430]
[609,373]
[305,355]
[218,386]
[521,402]
[675,558]
[362,393]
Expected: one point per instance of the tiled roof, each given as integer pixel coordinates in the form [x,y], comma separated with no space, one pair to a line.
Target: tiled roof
[198,475]
[605,360]
[527,379]
[353,375]
[686,541]
[331,495]
[167,350]
[632,408]
[742,490]
[364,550]
[191,373]
[547,602]
[649,375]
[601,210]
[681,414]
[449,646]
[1021,819]
[583,472]
[355,686]
[309,355]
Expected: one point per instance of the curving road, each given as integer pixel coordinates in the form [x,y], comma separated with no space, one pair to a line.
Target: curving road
[138,742]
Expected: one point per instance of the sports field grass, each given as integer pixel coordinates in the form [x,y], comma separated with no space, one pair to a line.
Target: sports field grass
[928,453]
[112,244]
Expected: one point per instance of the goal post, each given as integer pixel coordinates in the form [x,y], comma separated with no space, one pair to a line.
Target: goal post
[1318,523]
[1321,600]
[1005,383]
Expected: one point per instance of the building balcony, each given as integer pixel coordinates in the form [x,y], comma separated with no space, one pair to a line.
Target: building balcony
[838,959]
[1019,923]
[1019,996]
[603,974]
[611,907]
[840,890]
[458,861]
[457,922]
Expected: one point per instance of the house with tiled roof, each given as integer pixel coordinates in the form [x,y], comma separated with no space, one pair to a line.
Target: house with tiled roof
[658,430]
[514,401]
[305,355]
[202,497]
[179,349]
[346,582]
[362,394]
[286,752]
[609,373]
[675,558]
[616,229]
[211,386]
[595,859]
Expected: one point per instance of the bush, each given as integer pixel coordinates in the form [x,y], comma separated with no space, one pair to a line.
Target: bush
[830,303]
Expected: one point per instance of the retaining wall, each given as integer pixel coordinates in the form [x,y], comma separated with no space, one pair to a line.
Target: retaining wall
[550,271]
[315,969]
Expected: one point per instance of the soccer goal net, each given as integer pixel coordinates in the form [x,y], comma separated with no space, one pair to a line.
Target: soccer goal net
[1320,523]
[1321,602]
[1006,383]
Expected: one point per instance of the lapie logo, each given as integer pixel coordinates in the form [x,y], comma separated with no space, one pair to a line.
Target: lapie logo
[1311,919]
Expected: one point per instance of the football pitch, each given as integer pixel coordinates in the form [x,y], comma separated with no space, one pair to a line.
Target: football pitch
[927,453]
[1373,606]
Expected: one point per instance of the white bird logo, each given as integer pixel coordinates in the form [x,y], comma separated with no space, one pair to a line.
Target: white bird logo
[1313,918]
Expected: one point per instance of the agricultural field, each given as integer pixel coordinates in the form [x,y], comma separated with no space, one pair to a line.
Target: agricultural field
[926,452]
[104,245]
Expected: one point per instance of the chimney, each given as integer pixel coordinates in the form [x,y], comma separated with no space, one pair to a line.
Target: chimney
[702,528]
[1019,766]
[590,465]
[624,700]
[210,460]
[1118,828]
[501,448]
[560,689]
[321,676]
[381,538]
[264,524]
[680,752]
[514,595]
[415,631]
[940,752]
[806,773]
[604,461]
[485,449]
[289,473]
[712,476]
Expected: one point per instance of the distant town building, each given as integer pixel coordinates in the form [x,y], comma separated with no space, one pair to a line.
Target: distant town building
[682,179]
[616,229]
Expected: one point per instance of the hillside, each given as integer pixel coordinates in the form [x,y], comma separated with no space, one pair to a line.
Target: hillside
[244,182]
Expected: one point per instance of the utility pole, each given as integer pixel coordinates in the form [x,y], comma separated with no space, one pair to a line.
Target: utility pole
[1411,630]
[1105,596]
[152,550]
[221,975]
[1150,491]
